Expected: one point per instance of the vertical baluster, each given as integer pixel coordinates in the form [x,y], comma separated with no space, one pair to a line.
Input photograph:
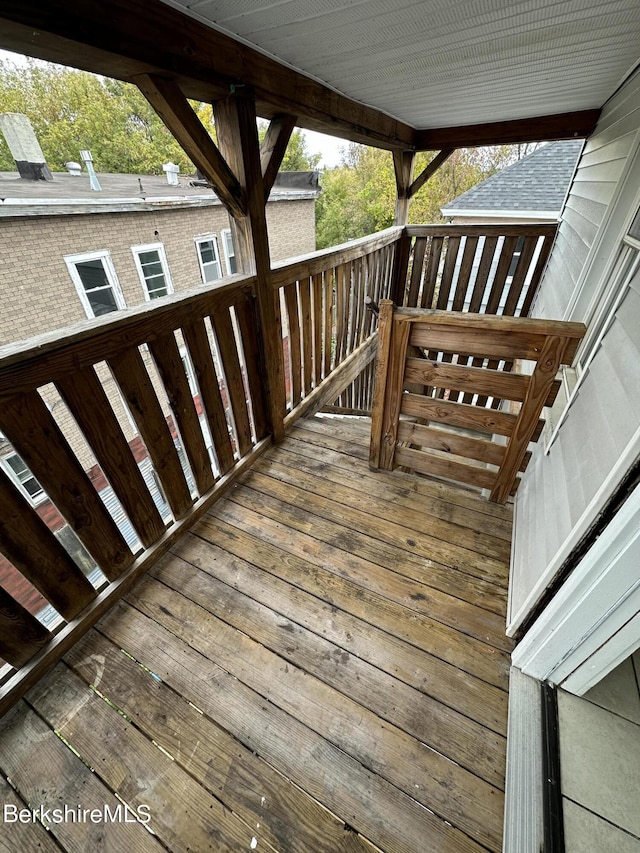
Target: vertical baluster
[197,341]
[132,377]
[228,350]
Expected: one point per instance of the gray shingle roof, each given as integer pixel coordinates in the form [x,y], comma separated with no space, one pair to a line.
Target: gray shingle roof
[538,182]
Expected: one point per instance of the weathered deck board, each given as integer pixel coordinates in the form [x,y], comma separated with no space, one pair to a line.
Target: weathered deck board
[308,670]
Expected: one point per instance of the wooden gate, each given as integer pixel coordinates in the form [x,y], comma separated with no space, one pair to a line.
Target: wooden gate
[455,370]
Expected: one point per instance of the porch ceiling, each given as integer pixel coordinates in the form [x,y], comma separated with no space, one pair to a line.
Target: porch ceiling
[422,74]
[439,63]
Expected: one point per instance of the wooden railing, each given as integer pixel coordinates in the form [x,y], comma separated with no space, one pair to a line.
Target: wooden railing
[175,388]
[197,440]
[492,269]
[421,370]
[328,346]
[185,376]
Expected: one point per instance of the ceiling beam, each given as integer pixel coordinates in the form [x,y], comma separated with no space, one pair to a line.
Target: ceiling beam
[537,129]
[176,112]
[126,38]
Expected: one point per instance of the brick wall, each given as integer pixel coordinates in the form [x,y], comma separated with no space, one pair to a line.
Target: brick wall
[38,294]
[36,289]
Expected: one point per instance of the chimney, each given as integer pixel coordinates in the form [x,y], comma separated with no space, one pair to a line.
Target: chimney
[24,146]
[172,171]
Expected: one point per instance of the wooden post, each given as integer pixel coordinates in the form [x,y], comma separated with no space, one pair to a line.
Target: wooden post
[235,120]
[403,165]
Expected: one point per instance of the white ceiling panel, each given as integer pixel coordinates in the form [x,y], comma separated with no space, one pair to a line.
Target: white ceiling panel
[436,63]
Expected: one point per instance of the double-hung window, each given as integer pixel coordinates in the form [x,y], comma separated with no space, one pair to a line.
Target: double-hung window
[209,258]
[15,466]
[229,251]
[96,282]
[151,263]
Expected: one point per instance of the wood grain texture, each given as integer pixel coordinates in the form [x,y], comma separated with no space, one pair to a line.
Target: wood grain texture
[248,325]
[135,384]
[510,386]
[167,99]
[458,414]
[195,335]
[273,149]
[33,549]
[111,449]
[429,463]
[550,360]
[46,772]
[293,821]
[228,351]
[235,119]
[17,685]
[168,361]
[122,757]
[21,635]
[45,358]
[28,424]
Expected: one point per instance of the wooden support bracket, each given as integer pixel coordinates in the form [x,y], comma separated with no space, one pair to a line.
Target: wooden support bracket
[273,149]
[166,97]
[430,170]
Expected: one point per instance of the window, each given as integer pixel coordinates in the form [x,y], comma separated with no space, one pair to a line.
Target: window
[229,251]
[23,478]
[151,263]
[96,282]
[209,258]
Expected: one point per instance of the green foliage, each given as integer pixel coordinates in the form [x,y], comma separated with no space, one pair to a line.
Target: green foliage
[358,197]
[71,110]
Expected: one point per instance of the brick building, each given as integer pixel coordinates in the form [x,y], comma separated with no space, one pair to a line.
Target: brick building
[69,252]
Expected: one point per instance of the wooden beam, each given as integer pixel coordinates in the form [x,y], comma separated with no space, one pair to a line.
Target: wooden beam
[235,119]
[430,170]
[403,167]
[534,129]
[174,109]
[273,149]
[126,38]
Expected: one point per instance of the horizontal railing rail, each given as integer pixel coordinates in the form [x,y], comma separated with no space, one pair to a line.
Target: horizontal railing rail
[492,269]
[129,426]
[327,328]
[166,402]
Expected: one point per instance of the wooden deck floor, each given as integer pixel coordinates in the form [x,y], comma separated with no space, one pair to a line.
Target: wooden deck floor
[320,666]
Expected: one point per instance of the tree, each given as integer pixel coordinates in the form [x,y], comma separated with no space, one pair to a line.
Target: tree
[71,110]
[359,196]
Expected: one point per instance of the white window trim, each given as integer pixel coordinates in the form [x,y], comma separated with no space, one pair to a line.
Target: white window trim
[227,256]
[207,238]
[105,256]
[41,498]
[152,247]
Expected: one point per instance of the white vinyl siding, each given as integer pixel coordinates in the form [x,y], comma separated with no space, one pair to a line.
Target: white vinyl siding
[563,490]
[209,258]
[96,282]
[153,270]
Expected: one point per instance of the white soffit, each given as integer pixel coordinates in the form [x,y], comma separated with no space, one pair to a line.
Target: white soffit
[436,63]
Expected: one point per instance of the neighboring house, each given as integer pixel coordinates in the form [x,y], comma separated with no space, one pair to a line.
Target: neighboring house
[68,252]
[532,189]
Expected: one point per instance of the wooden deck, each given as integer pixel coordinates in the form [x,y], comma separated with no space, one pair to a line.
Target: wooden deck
[320,666]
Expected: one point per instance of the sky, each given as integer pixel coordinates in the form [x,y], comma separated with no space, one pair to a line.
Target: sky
[329,146]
